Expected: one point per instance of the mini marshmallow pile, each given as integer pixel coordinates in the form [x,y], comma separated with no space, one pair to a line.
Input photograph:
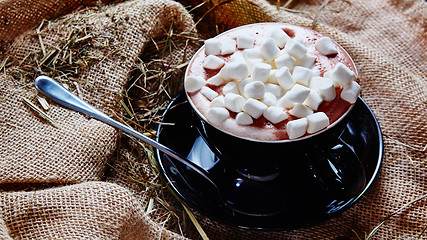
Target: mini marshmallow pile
[272,80]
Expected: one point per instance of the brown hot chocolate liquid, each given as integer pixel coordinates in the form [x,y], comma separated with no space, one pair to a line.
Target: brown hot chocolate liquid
[262,129]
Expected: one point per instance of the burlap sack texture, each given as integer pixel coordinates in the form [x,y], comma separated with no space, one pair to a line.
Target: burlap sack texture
[390,81]
[37,155]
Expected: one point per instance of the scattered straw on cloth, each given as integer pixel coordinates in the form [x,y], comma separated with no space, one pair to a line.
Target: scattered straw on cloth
[77,178]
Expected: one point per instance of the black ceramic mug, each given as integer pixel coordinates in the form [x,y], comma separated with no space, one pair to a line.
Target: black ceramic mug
[322,163]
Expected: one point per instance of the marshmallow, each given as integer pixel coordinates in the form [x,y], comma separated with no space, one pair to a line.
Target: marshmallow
[274,89]
[234,102]
[295,49]
[213,62]
[218,102]
[313,100]
[261,72]
[208,93]
[280,37]
[228,46]
[350,93]
[194,83]
[297,94]
[230,87]
[215,80]
[212,46]
[252,53]
[325,46]
[302,75]
[272,77]
[243,118]
[275,114]
[307,61]
[269,99]
[341,74]
[317,121]
[245,41]
[284,78]
[285,103]
[255,89]
[324,86]
[269,50]
[217,114]
[241,85]
[300,111]
[296,128]
[284,60]
[237,57]
[254,107]
[252,62]
[234,70]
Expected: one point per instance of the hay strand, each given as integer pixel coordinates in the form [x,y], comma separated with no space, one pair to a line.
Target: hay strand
[40,112]
[372,233]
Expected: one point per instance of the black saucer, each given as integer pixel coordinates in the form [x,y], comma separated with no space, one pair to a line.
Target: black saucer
[291,203]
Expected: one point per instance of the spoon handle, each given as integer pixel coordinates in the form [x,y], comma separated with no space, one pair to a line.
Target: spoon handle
[59,94]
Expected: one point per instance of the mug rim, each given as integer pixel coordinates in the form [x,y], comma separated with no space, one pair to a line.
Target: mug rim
[199,114]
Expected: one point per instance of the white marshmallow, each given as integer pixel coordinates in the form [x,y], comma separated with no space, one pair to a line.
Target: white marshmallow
[328,74]
[243,118]
[285,103]
[302,75]
[341,74]
[254,108]
[234,102]
[215,80]
[307,61]
[284,60]
[274,89]
[325,46]
[280,37]
[296,128]
[313,100]
[275,114]
[269,50]
[300,111]
[252,53]
[350,93]
[217,114]
[241,85]
[230,87]
[218,102]
[234,70]
[261,72]
[297,94]
[208,93]
[324,86]
[295,49]
[237,57]
[254,89]
[252,62]
[272,77]
[317,122]
[212,46]
[269,99]
[213,62]
[228,46]
[245,41]
[194,83]
[284,78]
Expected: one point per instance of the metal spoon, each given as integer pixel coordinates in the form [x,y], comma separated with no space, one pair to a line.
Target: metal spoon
[59,94]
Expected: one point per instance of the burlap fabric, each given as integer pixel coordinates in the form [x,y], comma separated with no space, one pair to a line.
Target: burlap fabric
[61,168]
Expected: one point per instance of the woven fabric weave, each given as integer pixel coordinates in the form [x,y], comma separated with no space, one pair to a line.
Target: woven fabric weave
[62,168]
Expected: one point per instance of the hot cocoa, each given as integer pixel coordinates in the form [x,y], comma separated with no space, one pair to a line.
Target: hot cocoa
[271,82]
